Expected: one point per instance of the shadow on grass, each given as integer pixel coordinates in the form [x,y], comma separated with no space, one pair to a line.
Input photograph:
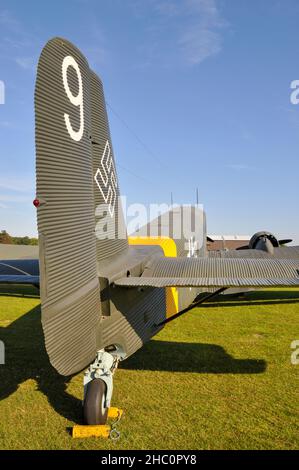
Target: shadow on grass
[190,357]
[26,358]
[262,297]
[28,291]
[19,296]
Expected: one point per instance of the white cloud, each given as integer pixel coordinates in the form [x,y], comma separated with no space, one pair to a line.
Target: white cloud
[16,40]
[20,185]
[27,63]
[203,35]
[167,7]
[240,167]
[6,124]
[199,43]
[7,20]
[246,134]
[191,29]
[96,55]
[10,198]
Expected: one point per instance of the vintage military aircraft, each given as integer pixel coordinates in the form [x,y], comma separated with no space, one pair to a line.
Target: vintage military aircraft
[103,294]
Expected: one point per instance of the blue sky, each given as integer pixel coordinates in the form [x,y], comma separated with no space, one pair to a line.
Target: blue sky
[200,93]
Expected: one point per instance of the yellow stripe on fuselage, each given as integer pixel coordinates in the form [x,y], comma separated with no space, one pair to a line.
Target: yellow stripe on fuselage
[169,249]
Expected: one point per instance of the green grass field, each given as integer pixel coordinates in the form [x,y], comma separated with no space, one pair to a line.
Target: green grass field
[220,377]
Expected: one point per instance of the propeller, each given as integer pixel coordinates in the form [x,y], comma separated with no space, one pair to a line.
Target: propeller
[264,241]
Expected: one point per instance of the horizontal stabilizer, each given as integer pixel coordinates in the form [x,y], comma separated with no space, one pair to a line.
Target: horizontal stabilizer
[207,272]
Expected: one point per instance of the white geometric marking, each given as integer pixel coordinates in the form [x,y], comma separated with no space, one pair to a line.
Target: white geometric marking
[105,178]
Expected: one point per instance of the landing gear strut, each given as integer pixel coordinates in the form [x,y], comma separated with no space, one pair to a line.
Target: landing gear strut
[98,386]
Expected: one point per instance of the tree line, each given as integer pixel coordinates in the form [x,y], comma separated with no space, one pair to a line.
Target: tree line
[10,240]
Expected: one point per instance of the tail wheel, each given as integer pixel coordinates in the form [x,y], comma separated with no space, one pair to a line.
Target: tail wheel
[94,403]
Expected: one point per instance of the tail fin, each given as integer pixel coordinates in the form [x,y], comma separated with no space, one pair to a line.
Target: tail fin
[76,174]
[111,235]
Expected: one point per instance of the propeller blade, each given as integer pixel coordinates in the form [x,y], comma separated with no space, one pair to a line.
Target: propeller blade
[284,242]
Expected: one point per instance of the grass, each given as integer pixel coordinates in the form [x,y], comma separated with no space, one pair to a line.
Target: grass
[220,377]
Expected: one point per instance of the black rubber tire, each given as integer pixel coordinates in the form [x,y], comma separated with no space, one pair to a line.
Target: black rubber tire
[93,411]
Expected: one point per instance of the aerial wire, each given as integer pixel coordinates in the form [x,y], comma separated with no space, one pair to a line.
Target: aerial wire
[141,142]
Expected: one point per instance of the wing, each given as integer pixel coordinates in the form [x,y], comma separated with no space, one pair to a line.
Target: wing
[22,279]
[19,271]
[283,252]
[216,272]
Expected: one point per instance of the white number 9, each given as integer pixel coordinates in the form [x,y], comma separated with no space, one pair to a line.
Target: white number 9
[69,61]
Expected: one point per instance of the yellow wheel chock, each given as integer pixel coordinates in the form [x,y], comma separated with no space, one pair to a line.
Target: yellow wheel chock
[100,430]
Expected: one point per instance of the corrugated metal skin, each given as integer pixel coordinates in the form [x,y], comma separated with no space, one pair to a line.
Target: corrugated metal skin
[172,225]
[100,135]
[66,217]
[218,273]
[132,325]
[283,252]
[176,224]
[207,282]
[70,256]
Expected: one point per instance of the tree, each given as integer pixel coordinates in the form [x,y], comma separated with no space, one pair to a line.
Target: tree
[5,237]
